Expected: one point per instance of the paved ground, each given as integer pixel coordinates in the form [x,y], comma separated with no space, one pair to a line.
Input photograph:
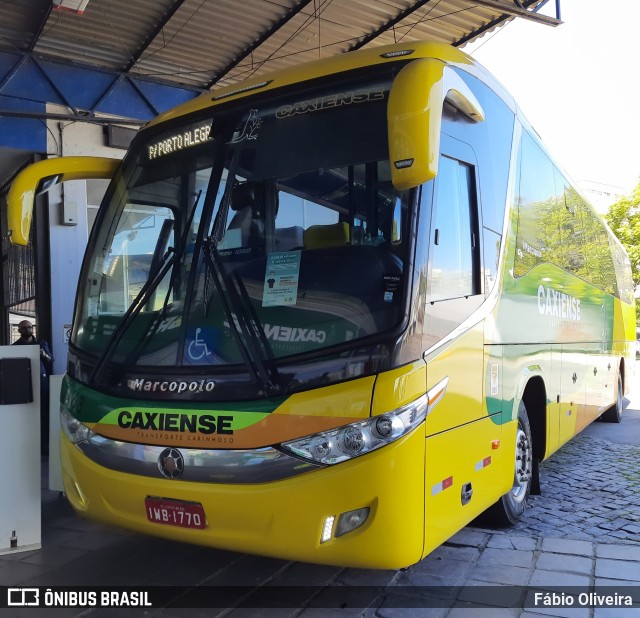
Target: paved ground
[583,531]
[591,487]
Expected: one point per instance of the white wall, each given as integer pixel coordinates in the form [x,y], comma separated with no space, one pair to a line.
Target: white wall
[68,242]
[20,445]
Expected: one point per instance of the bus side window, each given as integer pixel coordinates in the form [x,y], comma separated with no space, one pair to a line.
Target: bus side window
[542,216]
[454,233]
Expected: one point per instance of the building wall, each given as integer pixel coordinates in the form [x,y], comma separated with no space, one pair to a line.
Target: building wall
[68,242]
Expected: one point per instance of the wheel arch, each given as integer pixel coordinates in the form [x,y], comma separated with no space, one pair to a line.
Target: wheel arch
[535,400]
[534,397]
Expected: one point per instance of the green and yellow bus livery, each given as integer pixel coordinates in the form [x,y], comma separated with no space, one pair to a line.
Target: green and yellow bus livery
[333,314]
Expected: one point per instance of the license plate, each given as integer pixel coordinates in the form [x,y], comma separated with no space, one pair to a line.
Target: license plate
[175,513]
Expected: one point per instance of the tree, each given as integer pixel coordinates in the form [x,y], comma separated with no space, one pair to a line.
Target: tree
[624,219]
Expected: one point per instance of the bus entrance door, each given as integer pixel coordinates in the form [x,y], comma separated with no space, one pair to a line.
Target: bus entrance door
[461,467]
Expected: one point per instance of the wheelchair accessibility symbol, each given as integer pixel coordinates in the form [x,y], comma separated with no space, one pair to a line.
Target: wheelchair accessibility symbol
[198,348]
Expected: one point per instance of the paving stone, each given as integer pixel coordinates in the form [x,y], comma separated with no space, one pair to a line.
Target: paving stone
[478,594]
[616,612]
[178,612]
[517,576]
[618,569]
[18,556]
[615,583]
[618,552]
[564,563]
[444,571]
[469,537]
[506,557]
[503,541]
[468,553]
[317,612]
[466,610]
[305,574]
[260,612]
[366,577]
[567,546]
[396,609]
[13,573]
[49,556]
[550,579]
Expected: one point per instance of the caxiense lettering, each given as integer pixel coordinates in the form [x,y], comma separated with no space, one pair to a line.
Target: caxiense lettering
[558,304]
[161,421]
[329,101]
[294,334]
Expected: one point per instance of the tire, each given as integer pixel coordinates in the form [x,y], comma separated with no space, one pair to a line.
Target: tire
[614,413]
[509,509]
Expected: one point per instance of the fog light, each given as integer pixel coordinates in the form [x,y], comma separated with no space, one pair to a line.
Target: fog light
[351,520]
[327,529]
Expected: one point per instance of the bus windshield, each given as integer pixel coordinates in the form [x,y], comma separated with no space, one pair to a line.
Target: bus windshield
[263,231]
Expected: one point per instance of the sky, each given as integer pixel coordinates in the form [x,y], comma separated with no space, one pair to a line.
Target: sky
[578,84]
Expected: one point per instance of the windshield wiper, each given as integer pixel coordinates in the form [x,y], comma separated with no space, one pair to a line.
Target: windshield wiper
[182,247]
[177,258]
[244,332]
[141,299]
[254,322]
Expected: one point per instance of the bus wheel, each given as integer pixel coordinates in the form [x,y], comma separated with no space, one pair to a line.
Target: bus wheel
[510,508]
[614,413]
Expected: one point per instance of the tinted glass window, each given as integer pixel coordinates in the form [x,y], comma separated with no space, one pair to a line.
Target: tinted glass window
[599,268]
[269,230]
[539,226]
[491,141]
[555,225]
[453,263]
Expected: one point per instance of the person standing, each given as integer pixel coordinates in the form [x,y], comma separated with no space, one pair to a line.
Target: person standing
[25,328]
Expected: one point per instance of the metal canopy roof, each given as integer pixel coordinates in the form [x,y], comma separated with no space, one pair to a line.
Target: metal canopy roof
[202,43]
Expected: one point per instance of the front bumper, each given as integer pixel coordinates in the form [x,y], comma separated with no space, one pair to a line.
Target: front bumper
[282,518]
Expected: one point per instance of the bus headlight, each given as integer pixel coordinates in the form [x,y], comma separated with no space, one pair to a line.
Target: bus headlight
[337,445]
[73,428]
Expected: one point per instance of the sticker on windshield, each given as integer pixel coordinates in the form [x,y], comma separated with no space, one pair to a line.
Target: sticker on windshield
[92,307]
[391,285]
[281,279]
[99,265]
[200,347]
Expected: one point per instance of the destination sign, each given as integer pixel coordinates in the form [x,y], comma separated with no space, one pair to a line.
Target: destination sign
[180,141]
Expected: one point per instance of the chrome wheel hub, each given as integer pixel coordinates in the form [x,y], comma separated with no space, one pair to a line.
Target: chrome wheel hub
[524,461]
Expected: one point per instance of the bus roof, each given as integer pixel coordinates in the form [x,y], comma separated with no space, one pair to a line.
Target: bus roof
[334,65]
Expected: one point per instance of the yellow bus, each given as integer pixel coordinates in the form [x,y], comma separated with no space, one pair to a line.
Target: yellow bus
[335,313]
